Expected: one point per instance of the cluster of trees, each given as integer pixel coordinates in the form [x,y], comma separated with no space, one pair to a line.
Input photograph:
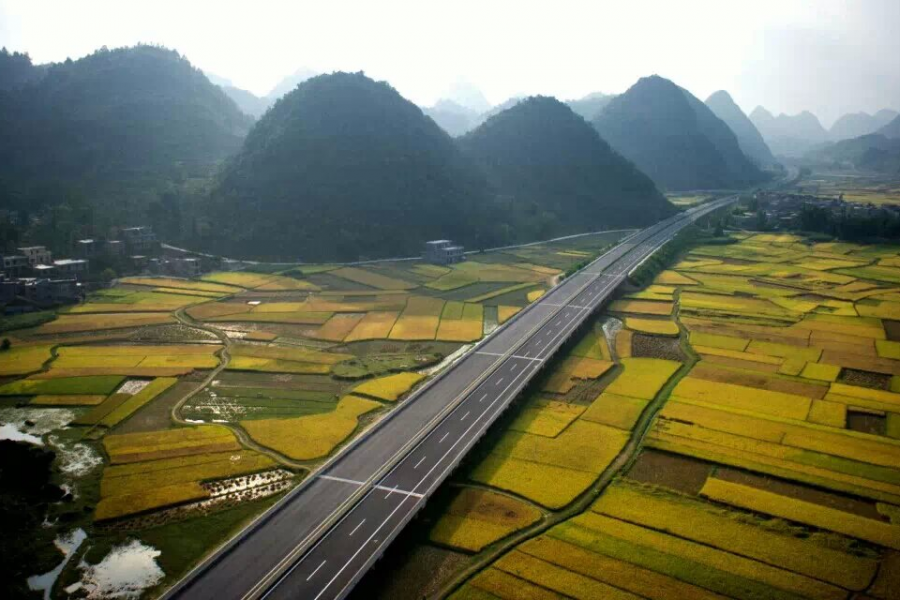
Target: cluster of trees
[848,225]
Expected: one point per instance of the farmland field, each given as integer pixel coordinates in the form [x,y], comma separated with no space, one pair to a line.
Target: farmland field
[179,408]
[769,460]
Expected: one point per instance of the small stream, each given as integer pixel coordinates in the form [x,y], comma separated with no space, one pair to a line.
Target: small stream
[67,545]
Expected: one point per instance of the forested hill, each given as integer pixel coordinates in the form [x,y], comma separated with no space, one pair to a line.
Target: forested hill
[16,70]
[551,169]
[892,129]
[674,138]
[748,137]
[113,132]
[343,167]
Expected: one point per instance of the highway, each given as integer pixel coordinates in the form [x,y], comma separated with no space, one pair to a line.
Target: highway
[323,536]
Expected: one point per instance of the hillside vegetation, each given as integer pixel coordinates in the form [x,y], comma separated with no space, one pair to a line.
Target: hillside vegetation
[112,132]
[748,137]
[545,160]
[674,138]
[344,167]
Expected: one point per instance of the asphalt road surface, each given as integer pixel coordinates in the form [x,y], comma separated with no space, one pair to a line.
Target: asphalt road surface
[322,538]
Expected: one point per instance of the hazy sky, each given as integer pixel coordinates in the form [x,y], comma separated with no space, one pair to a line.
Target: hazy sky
[830,57]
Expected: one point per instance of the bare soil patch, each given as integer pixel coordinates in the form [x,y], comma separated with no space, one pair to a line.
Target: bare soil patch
[157,414]
[672,471]
[863,508]
[759,381]
[654,346]
[417,573]
[876,381]
[866,422]
[892,329]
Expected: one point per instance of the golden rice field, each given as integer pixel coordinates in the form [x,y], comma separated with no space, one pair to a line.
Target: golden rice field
[773,468]
[181,284]
[390,388]
[313,436]
[546,417]
[170,443]
[419,320]
[24,360]
[72,323]
[476,518]
[153,484]
[283,338]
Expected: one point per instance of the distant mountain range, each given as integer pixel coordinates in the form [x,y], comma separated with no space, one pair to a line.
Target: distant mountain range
[749,139]
[795,135]
[467,95]
[674,138]
[453,118]
[879,151]
[872,152]
[892,129]
[591,105]
[458,120]
[789,135]
[254,105]
[856,124]
[344,168]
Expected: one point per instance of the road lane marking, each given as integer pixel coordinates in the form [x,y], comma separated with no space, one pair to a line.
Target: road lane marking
[465,415]
[499,381]
[483,397]
[341,479]
[396,490]
[420,462]
[355,528]
[311,575]
[441,441]
[525,357]
[377,487]
[410,494]
[514,367]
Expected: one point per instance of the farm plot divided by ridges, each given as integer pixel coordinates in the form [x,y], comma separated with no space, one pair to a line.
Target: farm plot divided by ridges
[772,470]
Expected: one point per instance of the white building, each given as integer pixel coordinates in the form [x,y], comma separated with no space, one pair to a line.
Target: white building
[37,255]
[71,266]
[443,252]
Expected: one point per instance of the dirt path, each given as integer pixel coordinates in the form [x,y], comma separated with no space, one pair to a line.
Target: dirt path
[224,359]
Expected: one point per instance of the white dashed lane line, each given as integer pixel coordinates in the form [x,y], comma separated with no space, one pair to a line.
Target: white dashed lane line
[311,575]
[357,527]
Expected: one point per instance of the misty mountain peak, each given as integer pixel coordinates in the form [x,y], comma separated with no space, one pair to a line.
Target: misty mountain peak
[761,114]
[748,136]
[467,95]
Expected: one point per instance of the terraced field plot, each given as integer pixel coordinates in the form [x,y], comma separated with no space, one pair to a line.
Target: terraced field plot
[772,467]
[177,405]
